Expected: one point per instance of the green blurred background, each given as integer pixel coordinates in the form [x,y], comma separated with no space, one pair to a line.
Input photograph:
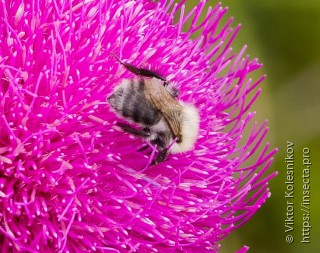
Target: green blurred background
[285,36]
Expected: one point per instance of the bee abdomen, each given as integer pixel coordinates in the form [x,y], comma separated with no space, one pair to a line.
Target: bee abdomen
[129,100]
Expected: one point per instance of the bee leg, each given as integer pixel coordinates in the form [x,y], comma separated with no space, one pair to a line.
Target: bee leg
[146,130]
[129,129]
[143,148]
[162,155]
[140,71]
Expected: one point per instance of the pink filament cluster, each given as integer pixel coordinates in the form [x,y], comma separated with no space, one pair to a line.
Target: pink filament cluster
[72,182]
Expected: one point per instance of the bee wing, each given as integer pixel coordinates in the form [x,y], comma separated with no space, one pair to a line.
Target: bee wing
[165,103]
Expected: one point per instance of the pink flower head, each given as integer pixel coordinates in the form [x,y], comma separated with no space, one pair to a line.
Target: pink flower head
[70,181]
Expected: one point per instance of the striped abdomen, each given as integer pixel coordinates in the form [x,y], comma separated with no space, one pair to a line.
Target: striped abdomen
[129,100]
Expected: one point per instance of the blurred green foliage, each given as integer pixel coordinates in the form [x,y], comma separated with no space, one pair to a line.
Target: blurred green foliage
[285,36]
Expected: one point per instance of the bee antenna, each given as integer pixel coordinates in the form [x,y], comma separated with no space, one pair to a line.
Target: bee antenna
[140,71]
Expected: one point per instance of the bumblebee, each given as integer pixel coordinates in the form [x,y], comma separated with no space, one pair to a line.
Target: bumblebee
[151,102]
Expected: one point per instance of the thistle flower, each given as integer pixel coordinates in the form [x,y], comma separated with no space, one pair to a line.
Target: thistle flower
[70,181]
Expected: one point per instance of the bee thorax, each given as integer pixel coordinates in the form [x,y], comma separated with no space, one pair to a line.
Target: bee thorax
[189,129]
